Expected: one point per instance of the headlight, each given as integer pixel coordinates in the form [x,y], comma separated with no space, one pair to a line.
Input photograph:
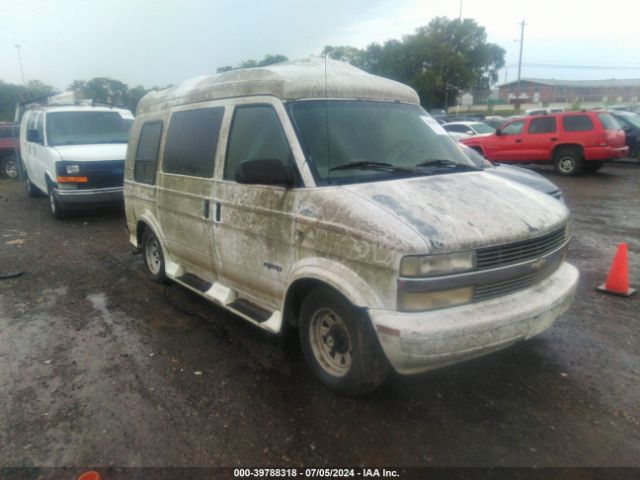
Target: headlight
[71,169]
[420,301]
[432,265]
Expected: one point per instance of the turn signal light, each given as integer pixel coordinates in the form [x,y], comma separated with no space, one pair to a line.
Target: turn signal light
[73,179]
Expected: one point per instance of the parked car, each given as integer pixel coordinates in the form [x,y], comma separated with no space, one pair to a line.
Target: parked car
[544,111]
[574,142]
[469,128]
[75,154]
[494,121]
[520,175]
[630,123]
[9,150]
[358,222]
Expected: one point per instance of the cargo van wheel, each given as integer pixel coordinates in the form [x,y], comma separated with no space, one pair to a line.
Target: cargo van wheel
[568,161]
[340,344]
[54,206]
[32,190]
[153,257]
[10,167]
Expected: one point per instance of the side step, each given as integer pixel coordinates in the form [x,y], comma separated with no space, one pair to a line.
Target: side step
[250,310]
[195,282]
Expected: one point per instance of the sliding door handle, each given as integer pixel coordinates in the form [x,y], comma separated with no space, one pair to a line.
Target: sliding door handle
[205,209]
[218,208]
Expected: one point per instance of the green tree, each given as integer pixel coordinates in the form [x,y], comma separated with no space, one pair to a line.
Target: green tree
[267,60]
[106,90]
[11,94]
[439,60]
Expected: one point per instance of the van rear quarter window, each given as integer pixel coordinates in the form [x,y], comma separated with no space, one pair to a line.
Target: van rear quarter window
[147,153]
[577,123]
[256,134]
[191,142]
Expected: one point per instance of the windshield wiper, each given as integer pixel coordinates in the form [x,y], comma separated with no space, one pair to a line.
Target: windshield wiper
[364,165]
[438,162]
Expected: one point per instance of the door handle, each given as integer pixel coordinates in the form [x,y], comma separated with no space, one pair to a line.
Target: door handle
[218,208]
[205,209]
[518,140]
[554,139]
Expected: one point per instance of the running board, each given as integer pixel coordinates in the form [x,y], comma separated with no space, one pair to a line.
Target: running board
[250,310]
[195,282]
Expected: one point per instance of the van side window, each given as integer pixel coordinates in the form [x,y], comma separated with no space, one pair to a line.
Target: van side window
[577,123]
[256,134]
[147,153]
[542,125]
[191,142]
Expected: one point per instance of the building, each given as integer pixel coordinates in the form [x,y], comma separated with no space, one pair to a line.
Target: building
[538,90]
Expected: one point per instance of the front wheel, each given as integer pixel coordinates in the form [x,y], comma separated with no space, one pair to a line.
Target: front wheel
[340,345]
[55,208]
[10,167]
[568,161]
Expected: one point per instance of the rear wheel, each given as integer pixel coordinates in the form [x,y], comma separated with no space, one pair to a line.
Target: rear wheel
[592,167]
[32,190]
[340,345]
[10,167]
[568,161]
[153,256]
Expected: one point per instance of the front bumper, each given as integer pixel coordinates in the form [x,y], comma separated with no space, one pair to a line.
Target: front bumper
[417,342]
[89,197]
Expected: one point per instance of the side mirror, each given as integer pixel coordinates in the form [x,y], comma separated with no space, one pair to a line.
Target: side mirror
[498,132]
[470,132]
[264,172]
[32,135]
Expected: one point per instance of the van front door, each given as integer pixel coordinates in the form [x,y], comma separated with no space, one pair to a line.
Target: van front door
[185,189]
[254,222]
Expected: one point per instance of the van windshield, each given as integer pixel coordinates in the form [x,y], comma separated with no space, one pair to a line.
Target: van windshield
[83,128]
[359,141]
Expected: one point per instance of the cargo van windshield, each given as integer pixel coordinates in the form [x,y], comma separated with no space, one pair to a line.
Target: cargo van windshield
[84,128]
[359,141]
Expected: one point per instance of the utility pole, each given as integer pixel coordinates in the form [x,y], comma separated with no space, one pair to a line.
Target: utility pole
[460,11]
[522,24]
[20,62]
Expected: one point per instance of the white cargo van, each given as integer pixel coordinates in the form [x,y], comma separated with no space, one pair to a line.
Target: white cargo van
[312,195]
[75,154]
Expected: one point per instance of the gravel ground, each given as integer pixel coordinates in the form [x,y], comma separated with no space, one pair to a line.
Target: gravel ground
[100,366]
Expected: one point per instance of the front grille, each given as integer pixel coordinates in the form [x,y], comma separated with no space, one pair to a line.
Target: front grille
[510,253]
[496,289]
[103,174]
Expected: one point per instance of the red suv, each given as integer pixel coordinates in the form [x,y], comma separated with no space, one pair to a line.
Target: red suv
[573,141]
[9,148]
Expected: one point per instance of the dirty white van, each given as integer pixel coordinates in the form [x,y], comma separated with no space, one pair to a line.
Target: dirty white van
[74,154]
[316,196]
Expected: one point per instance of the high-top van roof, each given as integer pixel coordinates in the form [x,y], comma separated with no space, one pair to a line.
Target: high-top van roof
[296,80]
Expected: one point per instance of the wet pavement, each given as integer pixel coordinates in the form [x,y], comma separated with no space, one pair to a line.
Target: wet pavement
[99,366]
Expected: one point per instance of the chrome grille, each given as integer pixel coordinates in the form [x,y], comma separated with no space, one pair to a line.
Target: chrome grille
[496,289]
[510,253]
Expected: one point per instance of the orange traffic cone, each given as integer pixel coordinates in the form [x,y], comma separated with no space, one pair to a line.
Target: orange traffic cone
[618,279]
[92,475]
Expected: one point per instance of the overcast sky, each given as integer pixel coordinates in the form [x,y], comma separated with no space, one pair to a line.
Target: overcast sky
[160,42]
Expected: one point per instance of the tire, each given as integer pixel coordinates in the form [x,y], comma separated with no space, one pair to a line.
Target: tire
[57,211]
[568,161]
[592,167]
[340,345]
[153,257]
[10,167]
[32,190]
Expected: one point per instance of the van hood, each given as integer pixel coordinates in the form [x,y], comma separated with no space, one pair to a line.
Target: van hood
[460,211]
[92,153]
